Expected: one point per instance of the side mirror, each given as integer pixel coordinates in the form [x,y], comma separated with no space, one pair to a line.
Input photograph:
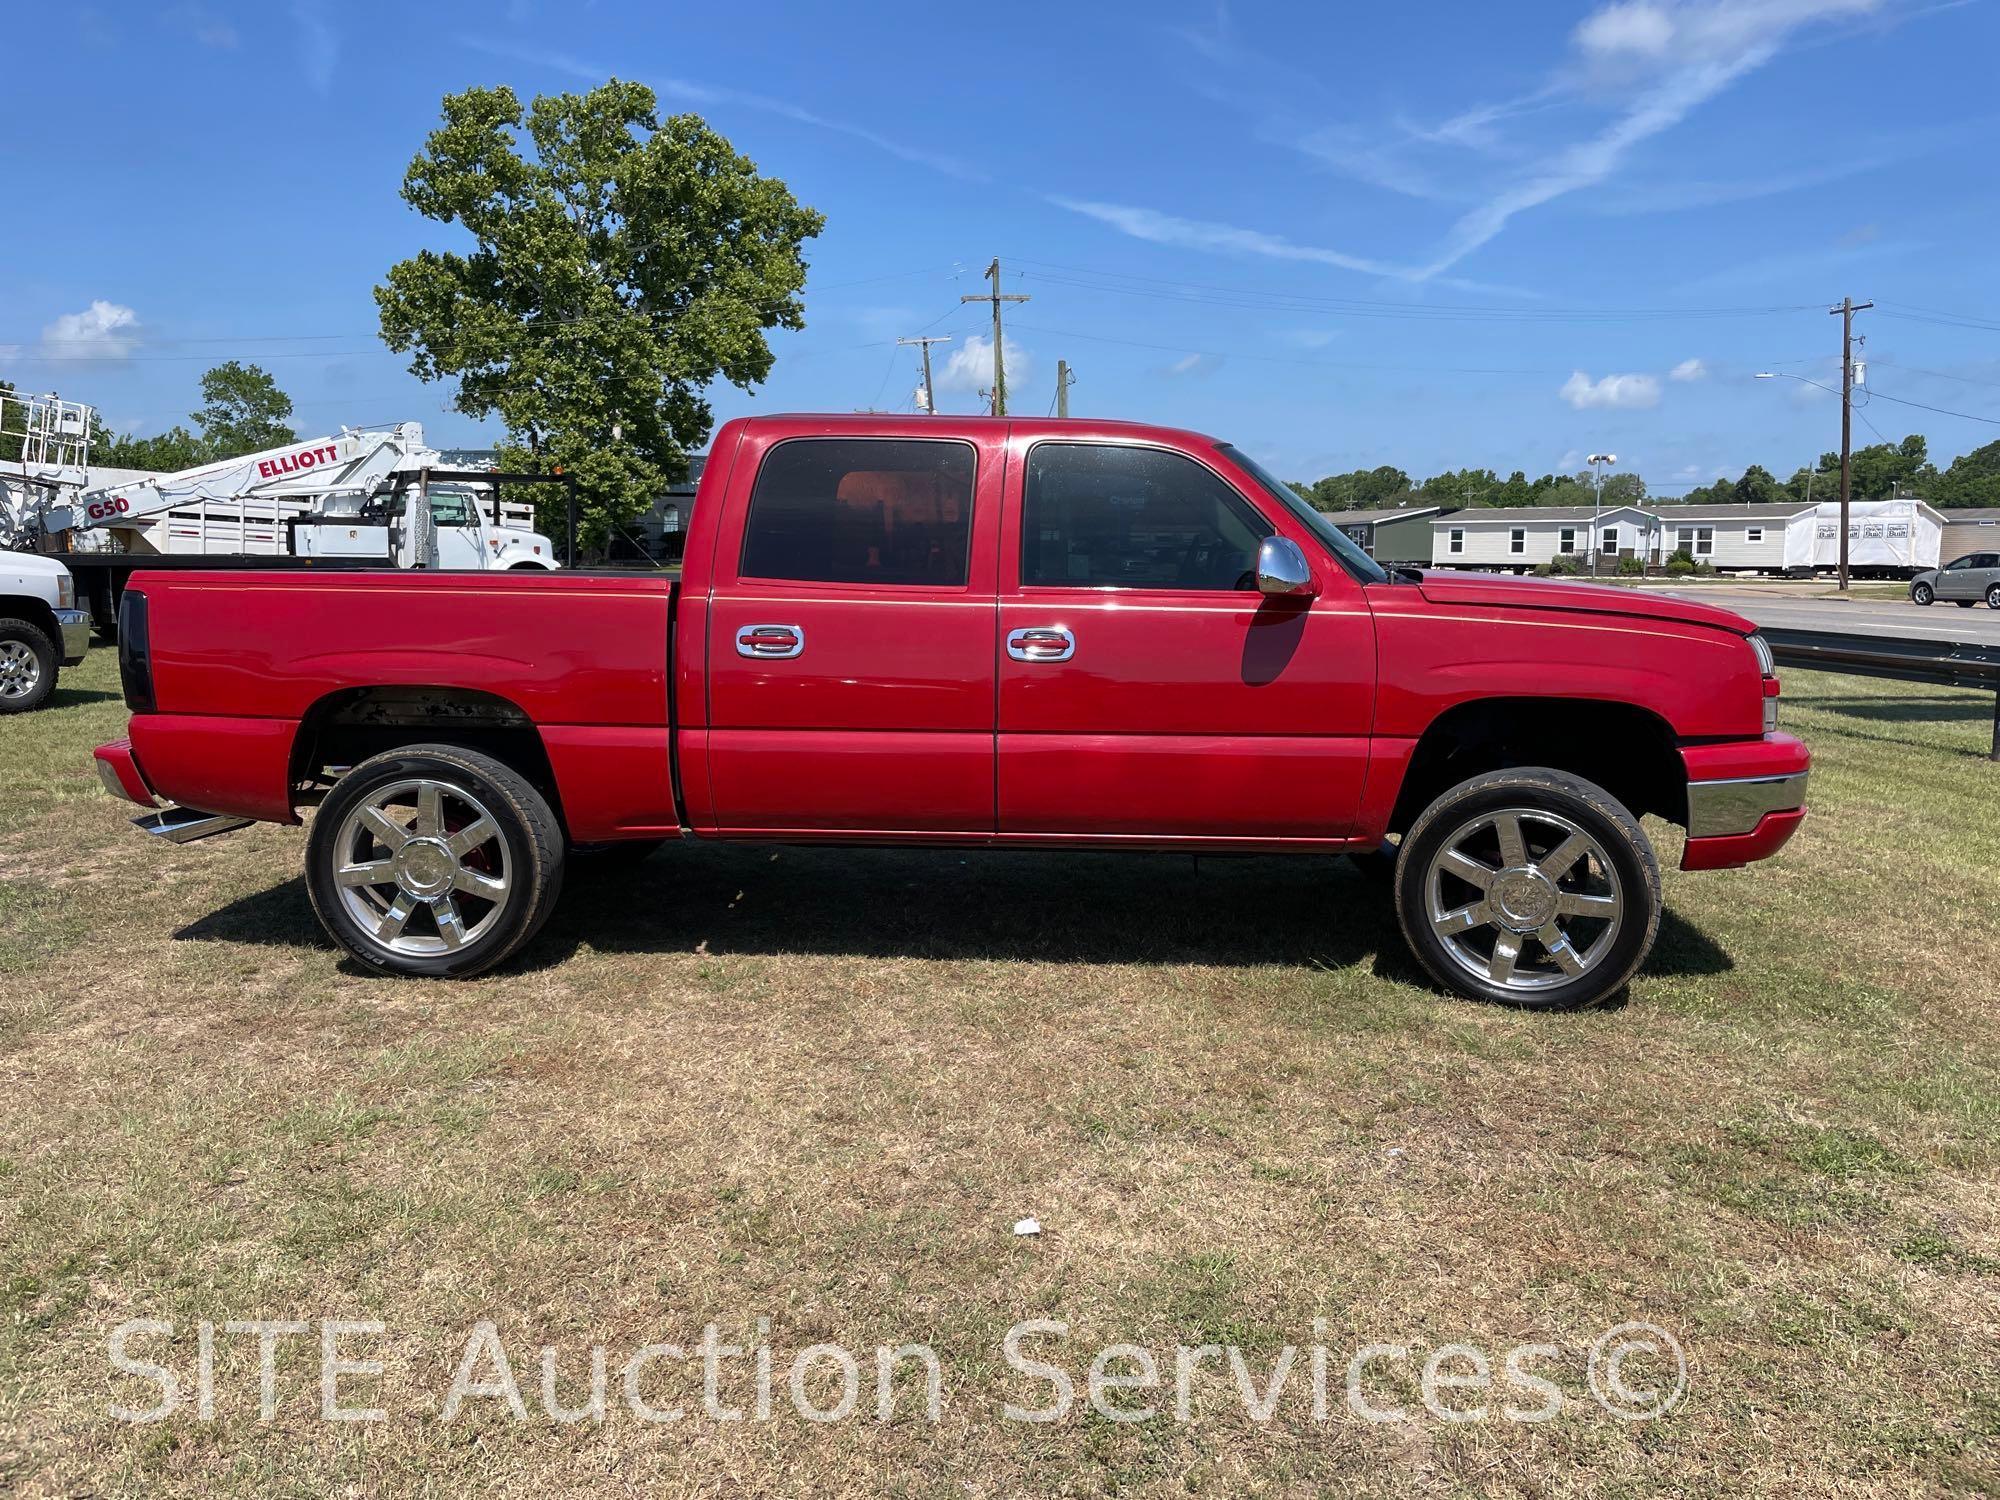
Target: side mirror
[1282,571]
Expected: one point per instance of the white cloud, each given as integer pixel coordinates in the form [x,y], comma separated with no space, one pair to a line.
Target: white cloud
[1670,60]
[1618,392]
[204,25]
[969,370]
[1635,29]
[1230,239]
[1195,364]
[1199,234]
[319,45]
[1688,369]
[103,330]
[712,95]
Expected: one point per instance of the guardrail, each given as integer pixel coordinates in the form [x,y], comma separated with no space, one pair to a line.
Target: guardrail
[1951,664]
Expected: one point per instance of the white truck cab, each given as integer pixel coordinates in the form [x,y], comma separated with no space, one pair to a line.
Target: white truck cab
[41,629]
[467,534]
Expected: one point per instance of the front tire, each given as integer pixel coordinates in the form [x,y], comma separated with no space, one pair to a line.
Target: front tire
[1922,593]
[28,665]
[433,862]
[1993,597]
[1529,887]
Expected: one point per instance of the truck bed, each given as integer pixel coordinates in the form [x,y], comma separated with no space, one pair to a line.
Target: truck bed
[584,657]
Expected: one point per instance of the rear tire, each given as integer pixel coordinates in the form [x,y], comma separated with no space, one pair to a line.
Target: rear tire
[1529,887]
[433,862]
[1993,597]
[28,667]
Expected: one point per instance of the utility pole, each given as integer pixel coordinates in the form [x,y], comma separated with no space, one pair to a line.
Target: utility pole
[996,297]
[1063,379]
[1846,311]
[930,396]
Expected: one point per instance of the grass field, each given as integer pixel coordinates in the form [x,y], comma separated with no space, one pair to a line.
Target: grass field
[818,1088]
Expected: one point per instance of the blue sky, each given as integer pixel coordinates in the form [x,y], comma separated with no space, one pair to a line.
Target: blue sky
[1338,235]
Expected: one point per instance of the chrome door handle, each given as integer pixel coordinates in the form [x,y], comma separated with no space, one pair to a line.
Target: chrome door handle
[770,642]
[1041,643]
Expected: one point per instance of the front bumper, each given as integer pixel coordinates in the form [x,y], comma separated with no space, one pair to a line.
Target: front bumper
[75,627]
[1745,799]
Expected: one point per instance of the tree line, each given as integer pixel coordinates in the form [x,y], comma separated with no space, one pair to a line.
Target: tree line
[242,411]
[1880,471]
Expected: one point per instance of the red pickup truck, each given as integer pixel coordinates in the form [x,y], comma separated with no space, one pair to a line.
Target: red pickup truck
[943,631]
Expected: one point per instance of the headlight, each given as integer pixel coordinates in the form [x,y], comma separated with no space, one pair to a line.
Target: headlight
[65,592]
[1767,665]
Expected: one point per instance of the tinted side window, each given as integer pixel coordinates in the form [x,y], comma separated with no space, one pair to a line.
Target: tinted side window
[1099,515]
[861,510]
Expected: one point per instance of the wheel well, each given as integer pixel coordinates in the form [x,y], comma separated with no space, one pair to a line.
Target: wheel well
[37,612]
[347,727]
[1629,751]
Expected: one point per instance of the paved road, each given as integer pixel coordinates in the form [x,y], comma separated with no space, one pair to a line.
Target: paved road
[1940,622]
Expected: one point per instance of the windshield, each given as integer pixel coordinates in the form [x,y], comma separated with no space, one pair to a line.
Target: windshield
[1330,536]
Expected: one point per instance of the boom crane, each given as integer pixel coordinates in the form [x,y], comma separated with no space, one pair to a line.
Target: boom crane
[343,472]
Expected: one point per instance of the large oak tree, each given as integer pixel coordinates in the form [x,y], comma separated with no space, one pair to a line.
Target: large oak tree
[618,265]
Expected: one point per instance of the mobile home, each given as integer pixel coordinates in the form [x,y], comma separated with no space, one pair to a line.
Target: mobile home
[1525,536]
[1741,538]
[1391,536]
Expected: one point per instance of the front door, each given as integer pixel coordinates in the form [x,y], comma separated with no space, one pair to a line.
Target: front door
[1958,580]
[1148,692]
[850,645]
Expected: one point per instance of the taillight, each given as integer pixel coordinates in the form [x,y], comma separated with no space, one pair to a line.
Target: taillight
[135,652]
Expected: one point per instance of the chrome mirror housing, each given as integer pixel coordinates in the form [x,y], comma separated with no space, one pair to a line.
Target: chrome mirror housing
[1282,571]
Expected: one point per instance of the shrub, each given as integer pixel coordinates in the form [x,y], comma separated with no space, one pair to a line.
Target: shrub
[1630,566]
[1680,567]
[1564,567]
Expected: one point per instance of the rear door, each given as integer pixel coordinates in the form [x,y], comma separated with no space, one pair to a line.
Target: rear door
[1148,692]
[1985,573]
[850,645]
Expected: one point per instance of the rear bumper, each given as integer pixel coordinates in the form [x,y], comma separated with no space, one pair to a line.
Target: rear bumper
[118,769]
[75,627]
[1744,800]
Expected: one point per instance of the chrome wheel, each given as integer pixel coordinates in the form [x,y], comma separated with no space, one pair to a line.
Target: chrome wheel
[1523,898]
[1922,594]
[422,867]
[20,670]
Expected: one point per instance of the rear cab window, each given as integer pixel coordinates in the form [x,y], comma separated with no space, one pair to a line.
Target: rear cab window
[863,510]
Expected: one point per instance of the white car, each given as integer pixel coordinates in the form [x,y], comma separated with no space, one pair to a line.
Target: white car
[41,629]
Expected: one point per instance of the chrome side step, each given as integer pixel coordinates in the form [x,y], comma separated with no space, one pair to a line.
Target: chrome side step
[183,825]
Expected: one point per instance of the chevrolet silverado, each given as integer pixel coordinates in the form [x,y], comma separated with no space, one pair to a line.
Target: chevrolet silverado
[1065,634]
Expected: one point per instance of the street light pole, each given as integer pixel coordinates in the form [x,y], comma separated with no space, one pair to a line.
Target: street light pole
[1597,463]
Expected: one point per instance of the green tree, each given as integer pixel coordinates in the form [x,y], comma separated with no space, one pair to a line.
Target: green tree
[1362,489]
[243,411]
[1883,470]
[1461,487]
[1622,489]
[1972,479]
[619,265]
[176,448]
[1758,486]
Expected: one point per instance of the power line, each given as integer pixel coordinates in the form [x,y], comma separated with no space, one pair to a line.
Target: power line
[1940,410]
[1897,364]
